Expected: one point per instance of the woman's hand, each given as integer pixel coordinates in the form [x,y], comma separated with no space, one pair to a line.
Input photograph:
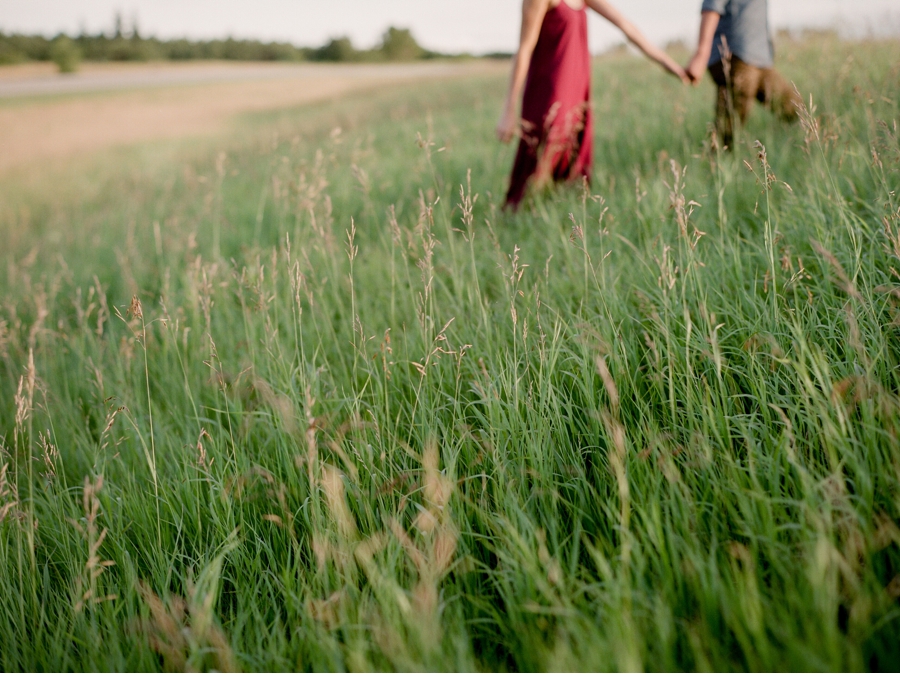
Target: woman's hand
[678,71]
[605,9]
[671,65]
[508,127]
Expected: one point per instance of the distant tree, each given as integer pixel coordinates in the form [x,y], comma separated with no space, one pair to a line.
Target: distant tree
[398,44]
[337,49]
[65,54]
[17,48]
[127,44]
[8,52]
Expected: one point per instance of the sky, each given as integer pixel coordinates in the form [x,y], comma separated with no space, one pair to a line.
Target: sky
[444,25]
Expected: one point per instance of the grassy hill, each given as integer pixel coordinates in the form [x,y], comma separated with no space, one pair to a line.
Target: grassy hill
[310,400]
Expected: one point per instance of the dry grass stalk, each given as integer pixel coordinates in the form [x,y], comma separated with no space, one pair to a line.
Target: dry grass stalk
[111,414]
[184,634]
[281,404]
[286,519]
[396,233]
[577,234]
[608,382]
[668,270]
[42,311]
[332,483]
[808,121]
[24,397]
[352,248]
[49,453]
[96,300]
[683,208]
[312,443]
[135,309]
[327,612]
[550,563]
[9,496]
[204,463]
[617,462]
[387,353]
[5,339]
[438,349]
[438,488]
[893,588]
[892,234]
[467,208]
[86,584]
[846,284]
[434,553]
[424,230]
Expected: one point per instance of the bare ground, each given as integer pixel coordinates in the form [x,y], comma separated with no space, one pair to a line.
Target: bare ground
[47,116]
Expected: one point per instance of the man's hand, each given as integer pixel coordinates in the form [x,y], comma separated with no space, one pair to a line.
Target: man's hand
[697,67]
[709,22]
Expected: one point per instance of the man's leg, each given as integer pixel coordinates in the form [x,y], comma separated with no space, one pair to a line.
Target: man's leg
[739,84]
[746,83]
[778,94]
[721,75]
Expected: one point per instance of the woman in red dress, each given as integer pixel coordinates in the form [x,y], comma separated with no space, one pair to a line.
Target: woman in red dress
[553,65]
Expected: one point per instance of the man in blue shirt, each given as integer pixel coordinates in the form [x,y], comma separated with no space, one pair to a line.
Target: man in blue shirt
[736,46]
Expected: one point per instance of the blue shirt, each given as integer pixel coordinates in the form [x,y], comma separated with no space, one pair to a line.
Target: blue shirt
[745,25]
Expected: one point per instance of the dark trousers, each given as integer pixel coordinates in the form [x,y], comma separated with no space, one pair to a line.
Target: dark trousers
[739,84]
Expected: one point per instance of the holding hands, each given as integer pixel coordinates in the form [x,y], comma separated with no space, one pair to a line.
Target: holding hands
[680,73]
[635,37]
[697,67]
[533,12]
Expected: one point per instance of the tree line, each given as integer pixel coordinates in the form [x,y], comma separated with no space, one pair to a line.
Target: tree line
[397,44]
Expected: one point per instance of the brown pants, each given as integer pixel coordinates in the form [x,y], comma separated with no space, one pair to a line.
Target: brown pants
[740,84]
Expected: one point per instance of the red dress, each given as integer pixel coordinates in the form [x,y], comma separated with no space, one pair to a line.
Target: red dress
[557,130]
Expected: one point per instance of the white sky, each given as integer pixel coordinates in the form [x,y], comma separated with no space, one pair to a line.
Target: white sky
[445,25]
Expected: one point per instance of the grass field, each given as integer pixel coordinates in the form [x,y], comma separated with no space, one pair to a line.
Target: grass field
[356,417]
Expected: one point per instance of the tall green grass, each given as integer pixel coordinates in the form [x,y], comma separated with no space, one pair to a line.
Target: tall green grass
[311,400]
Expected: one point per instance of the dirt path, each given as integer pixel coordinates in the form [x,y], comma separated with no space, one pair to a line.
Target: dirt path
[44,115]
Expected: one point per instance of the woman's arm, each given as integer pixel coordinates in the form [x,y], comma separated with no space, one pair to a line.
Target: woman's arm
[709,21]
[533,12]
[616,18]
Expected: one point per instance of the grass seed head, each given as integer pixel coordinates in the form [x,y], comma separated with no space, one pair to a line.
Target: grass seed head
[183,633]
[87,587]
[608,382]
[327,612]
[204,463]
[438,488]
[9,498]
[5,339]
[135,310]
[49,453]
[332,483]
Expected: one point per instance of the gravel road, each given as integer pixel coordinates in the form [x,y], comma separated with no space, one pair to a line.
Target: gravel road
[47,116]
[44,81]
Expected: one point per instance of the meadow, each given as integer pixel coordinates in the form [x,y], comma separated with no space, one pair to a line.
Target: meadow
[307,398]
